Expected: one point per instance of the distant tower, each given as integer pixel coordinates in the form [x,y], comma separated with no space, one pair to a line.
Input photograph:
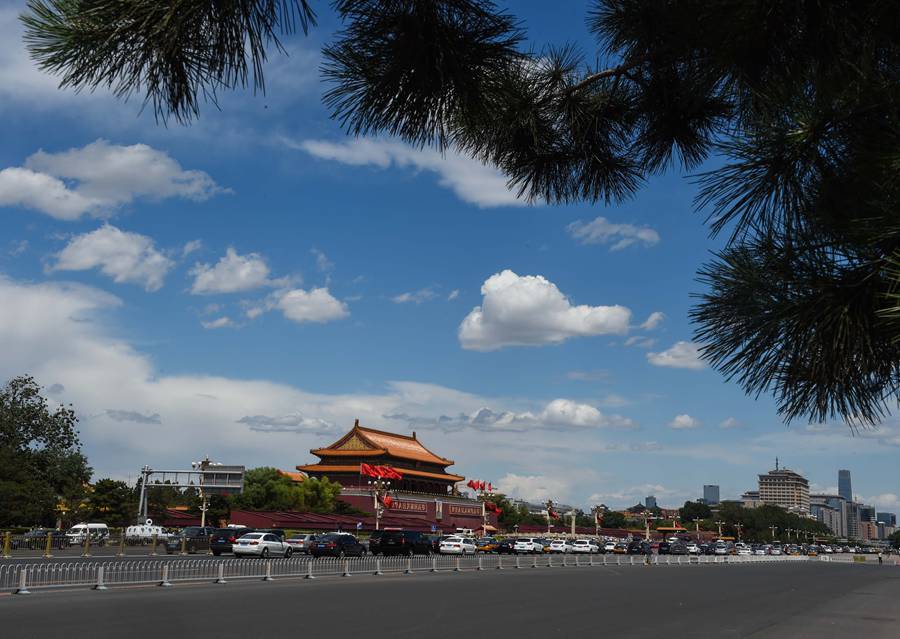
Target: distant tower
[711,494]
[845,489]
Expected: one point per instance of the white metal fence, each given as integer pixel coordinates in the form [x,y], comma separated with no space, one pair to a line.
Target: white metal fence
[22,578]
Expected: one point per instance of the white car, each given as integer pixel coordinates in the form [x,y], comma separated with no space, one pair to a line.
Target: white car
[609,546]
[560,546]
[528,545]
[775,550]
[300,543]
[693,548]
[457,546]
[261,545]
[98,533]
[742,549]
[585,545]
[721,548]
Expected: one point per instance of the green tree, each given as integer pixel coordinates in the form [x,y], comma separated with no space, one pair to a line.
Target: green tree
[692,511]
[801,99]
[613,519]
[267,489]
[41,465]
[895,539]
[112,502]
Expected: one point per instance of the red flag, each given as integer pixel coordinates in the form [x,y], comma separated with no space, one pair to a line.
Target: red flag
[490,487]
[388,501]
[553,514]
[390,473]
[481,485]
[472,484]
[366,469]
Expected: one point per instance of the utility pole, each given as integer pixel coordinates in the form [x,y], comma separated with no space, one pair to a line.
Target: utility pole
[719,524]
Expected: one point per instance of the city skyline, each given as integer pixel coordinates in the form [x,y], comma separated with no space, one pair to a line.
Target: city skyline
[248,286]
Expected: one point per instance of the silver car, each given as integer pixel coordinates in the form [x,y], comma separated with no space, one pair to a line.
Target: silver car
[262,545]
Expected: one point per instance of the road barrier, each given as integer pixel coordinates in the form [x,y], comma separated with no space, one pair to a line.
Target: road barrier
[99,575]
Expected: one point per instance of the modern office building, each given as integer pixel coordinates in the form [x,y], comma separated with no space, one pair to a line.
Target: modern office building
[650,502]
[888,519]
[867,513]
[711,494]
[853,522]
[835,517]
[785,488]
[845,489]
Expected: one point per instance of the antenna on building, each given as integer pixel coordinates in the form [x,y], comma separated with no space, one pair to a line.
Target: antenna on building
[776,463]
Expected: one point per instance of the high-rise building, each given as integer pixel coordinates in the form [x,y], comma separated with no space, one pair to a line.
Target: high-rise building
[845,489]
[785,488]
[650,502]
[711,494]
[866,513]
[888,519]
[853,522]
[836,519]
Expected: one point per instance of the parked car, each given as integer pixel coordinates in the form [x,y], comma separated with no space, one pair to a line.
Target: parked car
[487,544]
[621,548]
[300,543]
[261,544]
[506,547]
[223,539]
[144,533]
[402,542]
[458,546]
[192,539]
[663,548]
[37,539]
[721,548]
[742,549]
[609,546]
[585,546]
[638,547]
[98,533]
[527,545]
[337,545]
[693,548]
[560,546]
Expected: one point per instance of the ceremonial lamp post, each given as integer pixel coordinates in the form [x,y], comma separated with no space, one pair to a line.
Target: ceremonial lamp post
[647,518]
[598,512]
[549,505]
[773,529]
[380,488]
[485,494]
[739,527]
[719,524]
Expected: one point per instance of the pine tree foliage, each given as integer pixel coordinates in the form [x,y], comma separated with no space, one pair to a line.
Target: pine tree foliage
[797,103]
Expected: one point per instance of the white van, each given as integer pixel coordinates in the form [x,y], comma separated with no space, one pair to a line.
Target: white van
[77,533]
[144,533]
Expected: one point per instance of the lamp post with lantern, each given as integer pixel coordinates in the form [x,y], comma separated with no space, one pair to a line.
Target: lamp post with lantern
[380,488]
[598,512]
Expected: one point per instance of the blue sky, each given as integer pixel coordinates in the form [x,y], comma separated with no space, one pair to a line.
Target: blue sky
[246,286]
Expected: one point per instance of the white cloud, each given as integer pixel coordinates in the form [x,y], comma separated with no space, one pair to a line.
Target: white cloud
[453,295]
[730,422]
[881,502]
[123,256]
[535,488]
[294,423]
[599,375]
[631,495]
[315,305]
[219,322]
[530,311]
[415,297]
[98,179]
[191,247]
[653,321]
[640,341]
[680,355]
[323,264]
[232,273]
[469,179]
[602,231]
[684,422]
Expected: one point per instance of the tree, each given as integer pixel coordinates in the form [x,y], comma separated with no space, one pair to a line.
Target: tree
[895,539]
[112,502]
[801,99]
[40,456]
[693,510]
[613,519]
[267,489]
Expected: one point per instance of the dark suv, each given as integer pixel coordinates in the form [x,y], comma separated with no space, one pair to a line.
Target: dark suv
[401,542]
[192,539]
[223,538]
[336,545]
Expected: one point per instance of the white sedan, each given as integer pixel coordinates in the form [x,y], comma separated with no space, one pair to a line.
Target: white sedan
[585,545]
[609,546]
[261,545]
[528,545]
[560,545]
[457,546]
[693,548]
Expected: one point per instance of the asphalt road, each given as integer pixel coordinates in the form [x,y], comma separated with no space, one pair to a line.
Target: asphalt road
[764,600]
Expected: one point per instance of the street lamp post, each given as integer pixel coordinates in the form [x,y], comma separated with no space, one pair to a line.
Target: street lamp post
[380,488]
[719,523]
[739,527]
[549,505]
[598,512]
[773,529]
[485,494]
[647,518]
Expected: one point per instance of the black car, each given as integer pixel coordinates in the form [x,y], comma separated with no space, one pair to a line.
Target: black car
[375,541]
[506,547]
[37,540]
[402,542]
[663,548]
[337,545]
[222,539]
[639,548]
[191,539]
[678,548]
